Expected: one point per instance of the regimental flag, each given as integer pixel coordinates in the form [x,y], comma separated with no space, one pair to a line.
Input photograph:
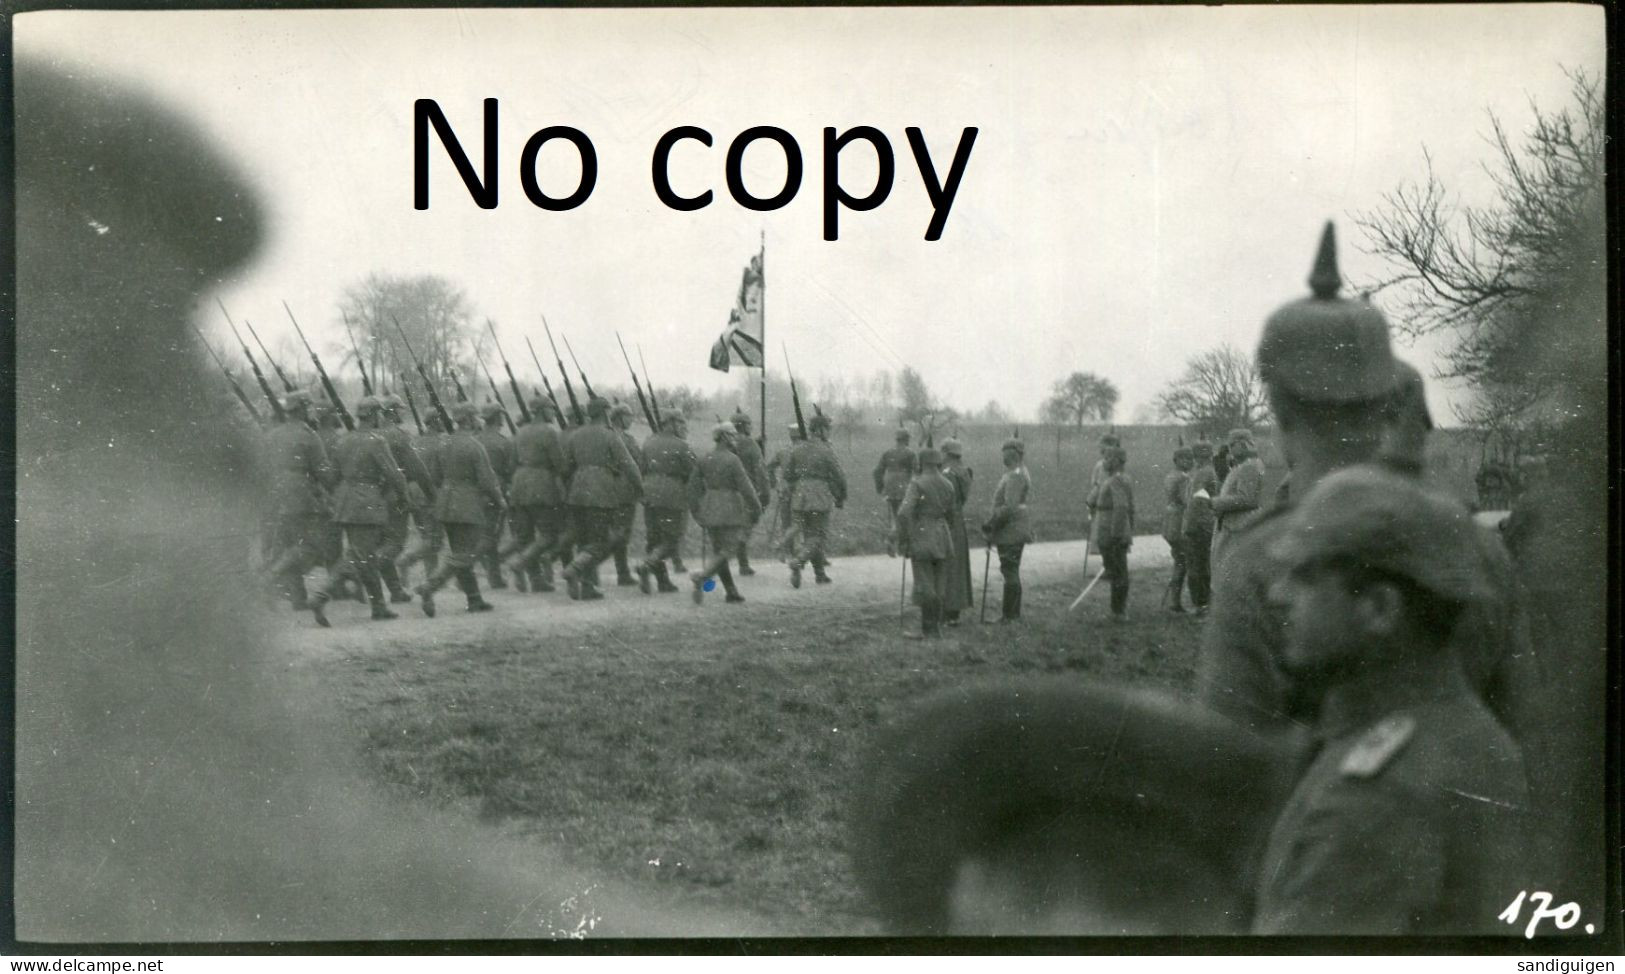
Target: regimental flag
[742,342]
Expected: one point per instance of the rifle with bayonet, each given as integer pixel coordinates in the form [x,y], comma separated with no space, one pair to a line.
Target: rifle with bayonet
[494,393]
[513,383]
[242,396]
[265,387]
[287,384]
[648,414]
[428,383]
[795,397]
[327,383]
[411,402]
[451,373]
[366,383]
[579,371]
[575,407]
[653,402]
[563,423]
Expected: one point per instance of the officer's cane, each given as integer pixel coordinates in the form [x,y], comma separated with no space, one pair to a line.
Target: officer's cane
[902,603]
[987,563]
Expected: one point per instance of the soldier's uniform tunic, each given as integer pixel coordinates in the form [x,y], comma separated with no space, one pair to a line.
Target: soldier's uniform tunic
[369,480]
[817,486]
[1198,530]
[1010,530]
[958,594]
[1242,493]
[668,466]
[468,489]
[628,512]
[419,491]
[1410,820]
[299,471]
[922,522]
[431,538]
[499,448]
[331,430]
[785,526]
[892,474]
[751,456]
[603,479]
[1112,523]
[724,502]
[1174,487]
[536,500]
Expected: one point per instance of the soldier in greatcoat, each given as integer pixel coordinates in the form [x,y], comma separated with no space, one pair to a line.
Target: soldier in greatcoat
[431,539]
[1174,488]
[1200,490]
[751,456]
[818,486]
[299,472]
[603,480]
[419,493]
[957,593]
[369,481]
[1241,492]
[925,539]
[892,474]
[669,465]
[467,490]
[725,503]
[499,448]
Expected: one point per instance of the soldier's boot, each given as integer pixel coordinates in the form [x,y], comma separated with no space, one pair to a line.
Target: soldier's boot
[795,572]
[931,618]
[728,583]
[698,580]
[493,573]
[1016,615]
[950,618]
[623,569]
[534,576]
[573,576]
[542,574]
[296,592]
[1010,603]
[318,608]
[678,566]
[589,589]
[391,577]
[1120,600]
[744,562]
[664,579]
[470,584]
[644,571]
[820,574]
[1175,598]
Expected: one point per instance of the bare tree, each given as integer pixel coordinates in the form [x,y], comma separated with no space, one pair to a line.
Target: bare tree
[1079,397]
[1219,390]
[918,406]
[435,314]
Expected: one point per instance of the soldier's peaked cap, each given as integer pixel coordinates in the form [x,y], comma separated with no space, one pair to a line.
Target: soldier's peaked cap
[1324,348]
[1386,522]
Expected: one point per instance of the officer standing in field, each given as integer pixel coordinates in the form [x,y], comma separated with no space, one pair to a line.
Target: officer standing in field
[1111,518]
[1098,475]
[620,419]
[1412,817]
[818,486]
[957,592]
[430,537]
[1174,488]
[925,539]
[1202,487]
[369,482]
[1242,492]
[536,498]
[751,456]
[1010,527]
[299,472]
[467,491]
[419,493]
[500,451]
[669,465]
[725,504]
[603,479]
[892,475]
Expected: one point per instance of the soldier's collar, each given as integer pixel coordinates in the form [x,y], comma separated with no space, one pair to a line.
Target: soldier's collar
[1365,698]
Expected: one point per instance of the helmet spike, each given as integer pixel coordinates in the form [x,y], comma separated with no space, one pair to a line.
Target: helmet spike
[1324,280]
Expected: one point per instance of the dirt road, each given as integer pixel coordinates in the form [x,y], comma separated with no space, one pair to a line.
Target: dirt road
[868,583]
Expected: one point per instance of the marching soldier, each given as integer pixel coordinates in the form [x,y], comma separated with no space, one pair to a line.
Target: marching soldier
[369,482]
[892,475]
[1111,518]
[536,499]
[419,492]
[430,537]
[957,592]
[923,535]
[500,451]
[1200,490]
[603,480]
[751,456]
[1174,488]
[817,486]
[784,525]
[1242,491]
[331,429]
[1411,818]
[1010,527]
[669,466]
[299,475]
[725,503]
[620,419]
[467,491]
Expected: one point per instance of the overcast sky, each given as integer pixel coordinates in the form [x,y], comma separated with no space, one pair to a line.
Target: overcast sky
[1147,182]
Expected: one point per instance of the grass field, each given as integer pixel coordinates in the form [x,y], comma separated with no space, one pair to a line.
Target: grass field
[708,759]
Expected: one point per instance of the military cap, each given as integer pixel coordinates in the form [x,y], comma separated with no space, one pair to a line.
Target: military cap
[296,399]
[930,457]
[1166,803]
[722,431]
[1116,458]
[1183,453]
[1240,435]
[672,422]
[1202,450]
[740,419]
[901,435]
[1385,522]
[597,407]
[1014,443]
[1327,349]
[367,405]
[620,409]
[492,409]
[953,448]
[462,411]
[541,406]
[1110,439]
[393,403]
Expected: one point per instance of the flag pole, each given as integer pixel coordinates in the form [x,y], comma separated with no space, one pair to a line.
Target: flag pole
[761,436]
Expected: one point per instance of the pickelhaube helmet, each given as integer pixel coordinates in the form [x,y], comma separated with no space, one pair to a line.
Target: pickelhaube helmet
[1327,349]
[953,448]
[930,457]
[620,410]
[819,423]
[368,405]
[1014,443]
[722,431]
[393,403]
[673,422]
[597,407]
[296,399]
[901,435]
[492,410]
[740,419]
[541,407]
[1202,451]
[464,411]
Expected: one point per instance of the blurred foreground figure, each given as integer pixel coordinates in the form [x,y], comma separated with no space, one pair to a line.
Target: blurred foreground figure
[175,779]
[1038,808]
[1414,817]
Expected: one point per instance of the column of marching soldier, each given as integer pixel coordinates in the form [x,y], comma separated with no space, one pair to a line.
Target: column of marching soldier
[348,500]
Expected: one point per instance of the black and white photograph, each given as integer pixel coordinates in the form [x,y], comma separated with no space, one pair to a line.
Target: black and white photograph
[533,478]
